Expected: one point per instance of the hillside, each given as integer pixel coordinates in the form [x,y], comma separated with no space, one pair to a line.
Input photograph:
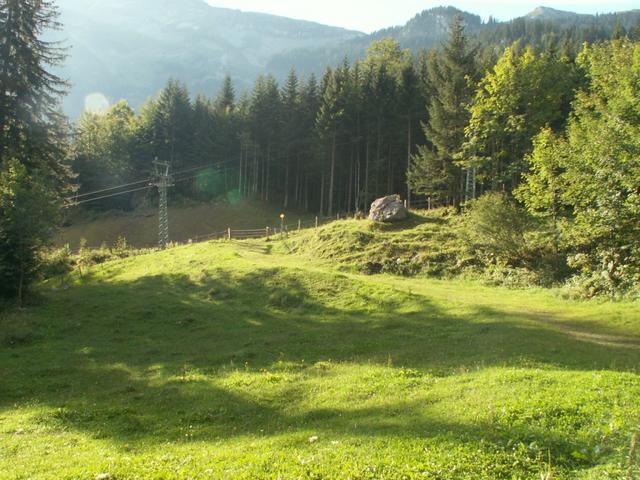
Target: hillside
[430,28]
[239,360]
[427,29]
[130,48]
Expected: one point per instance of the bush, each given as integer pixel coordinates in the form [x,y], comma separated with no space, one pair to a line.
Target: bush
[495,229]
[57,263]
[610,278]
[513,247]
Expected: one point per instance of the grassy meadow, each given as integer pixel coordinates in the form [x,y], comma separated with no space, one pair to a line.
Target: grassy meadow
[242,360]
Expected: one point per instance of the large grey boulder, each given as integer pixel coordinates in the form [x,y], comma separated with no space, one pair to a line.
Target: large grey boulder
[388,209]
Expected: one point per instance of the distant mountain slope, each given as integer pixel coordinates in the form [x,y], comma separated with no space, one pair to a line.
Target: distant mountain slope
[426,30]
[430,29]
[547,13]
[129,48]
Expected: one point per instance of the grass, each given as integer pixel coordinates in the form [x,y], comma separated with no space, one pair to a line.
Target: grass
[239,360]
[140,227]
[428,242]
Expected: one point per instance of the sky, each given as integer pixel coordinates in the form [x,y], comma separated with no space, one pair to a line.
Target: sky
[370,15]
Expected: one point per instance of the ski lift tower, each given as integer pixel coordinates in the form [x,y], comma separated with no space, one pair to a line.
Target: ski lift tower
[162,180]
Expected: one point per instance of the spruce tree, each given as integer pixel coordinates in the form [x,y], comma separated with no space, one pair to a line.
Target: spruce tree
[172,125]
[292,132]
[452,73]
[329,124]
[204,129]
[32,129]
[410,106]
[309,102]
[226,99]
[266,119]
[33,177]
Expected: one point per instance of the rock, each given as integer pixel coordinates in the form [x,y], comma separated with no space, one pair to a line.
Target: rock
[104,476]
[388,209]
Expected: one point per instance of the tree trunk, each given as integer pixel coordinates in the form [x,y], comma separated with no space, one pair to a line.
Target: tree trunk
[331,178]
[21,286]
[297,187]
[408,162]
[366,179]
[378,155]
[357,181]
[322,194]
[349,194]
[306,192]
[286,183]
[268,171]
[390,182]
[240,170]
[255,169]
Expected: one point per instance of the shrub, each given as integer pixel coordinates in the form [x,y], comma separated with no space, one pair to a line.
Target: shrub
[57,263]
[495,228]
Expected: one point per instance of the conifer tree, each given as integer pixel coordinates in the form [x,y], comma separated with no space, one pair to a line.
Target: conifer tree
[204,130]
[291,133]
[329,122]
[410,104]
[309,102]
[171,125]
[223,127]
[452,73]
[33,177]
[32,130]
[226,99]
[266,118]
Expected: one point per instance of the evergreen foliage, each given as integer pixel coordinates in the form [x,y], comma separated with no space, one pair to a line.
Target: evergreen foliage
[452,75]
[33,175]
[29,208]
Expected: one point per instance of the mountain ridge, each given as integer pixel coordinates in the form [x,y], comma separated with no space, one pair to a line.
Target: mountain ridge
[130,48]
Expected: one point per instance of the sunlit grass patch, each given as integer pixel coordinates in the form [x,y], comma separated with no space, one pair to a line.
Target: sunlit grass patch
[222,361]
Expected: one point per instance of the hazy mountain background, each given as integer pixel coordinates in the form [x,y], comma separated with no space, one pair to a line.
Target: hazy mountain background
[130,48]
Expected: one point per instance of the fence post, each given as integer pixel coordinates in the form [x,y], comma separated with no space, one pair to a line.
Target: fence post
[229,233]
[267,229]
[316,222]
[428,203]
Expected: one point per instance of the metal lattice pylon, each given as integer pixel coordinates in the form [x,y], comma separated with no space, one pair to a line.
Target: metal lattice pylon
[162,181]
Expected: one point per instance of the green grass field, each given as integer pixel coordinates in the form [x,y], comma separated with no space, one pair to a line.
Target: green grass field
[239,360]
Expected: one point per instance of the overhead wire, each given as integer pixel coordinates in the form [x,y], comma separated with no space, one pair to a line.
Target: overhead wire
[76,203]
[107,196]
[107,189]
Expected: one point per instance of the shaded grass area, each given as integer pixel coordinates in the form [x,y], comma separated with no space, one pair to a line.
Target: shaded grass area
[228,360]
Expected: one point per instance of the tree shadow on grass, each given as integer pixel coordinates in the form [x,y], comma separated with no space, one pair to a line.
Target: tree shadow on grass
[147,360]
